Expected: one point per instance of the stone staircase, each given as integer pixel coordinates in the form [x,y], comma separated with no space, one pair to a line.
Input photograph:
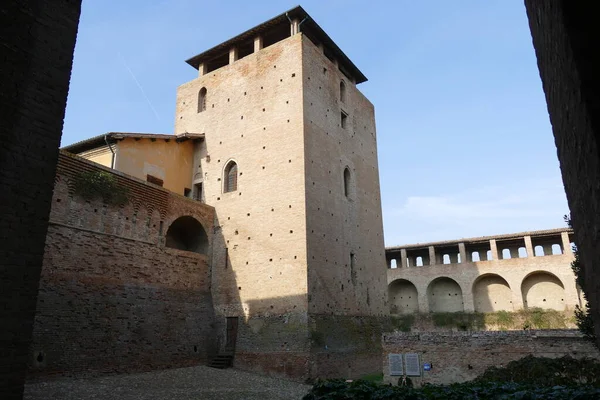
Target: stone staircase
[222,360]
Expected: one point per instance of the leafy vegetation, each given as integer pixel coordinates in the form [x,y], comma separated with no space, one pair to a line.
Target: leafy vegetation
[528,378]
[583,317]
[338,389]
[93,185]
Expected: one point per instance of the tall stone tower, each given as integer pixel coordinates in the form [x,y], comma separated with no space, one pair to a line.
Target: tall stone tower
[289,161]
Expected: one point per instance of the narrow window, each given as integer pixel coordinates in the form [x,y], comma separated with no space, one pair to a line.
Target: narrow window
[347,182]
[187,192]
[343,119]
[198,191]
[202,100]
[154,180]
[342,92]
[230,177]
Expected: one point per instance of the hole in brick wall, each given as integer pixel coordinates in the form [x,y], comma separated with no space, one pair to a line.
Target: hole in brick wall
[228,217]
[270,259]
[264,147]
[293,75]
[261,87]
[248,237]
[218,161]
[288,120]
[95,210]
[244,93]
[290,206]
[291,231]
[263,110]
[218,198]
[324,70]
[40,357]
[272,209]
[236,232]
[213,106]
[281,80]
[220,142]
[289,160]
[58,200]
[263,167]
[242,117]
[239,288]
[274,66]
[228,100]
[295,257]
[248,214]
[195,349]
[270,234]
[246,262]
[287,102]
[240,193]
[264,128]
[126,218]
[242,135]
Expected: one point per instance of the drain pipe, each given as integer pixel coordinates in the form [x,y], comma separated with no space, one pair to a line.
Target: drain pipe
[112,161]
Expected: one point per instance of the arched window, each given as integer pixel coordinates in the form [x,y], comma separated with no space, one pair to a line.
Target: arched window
[347,182]
[342,92]
[202,100]
[230,177]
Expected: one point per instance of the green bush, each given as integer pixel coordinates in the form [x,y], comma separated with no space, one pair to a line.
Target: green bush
[338,389]
[93,185]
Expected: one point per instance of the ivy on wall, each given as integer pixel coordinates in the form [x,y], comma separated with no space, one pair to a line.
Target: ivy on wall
[92,185]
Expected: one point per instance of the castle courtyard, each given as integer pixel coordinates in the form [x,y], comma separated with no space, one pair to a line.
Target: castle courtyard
[181,383]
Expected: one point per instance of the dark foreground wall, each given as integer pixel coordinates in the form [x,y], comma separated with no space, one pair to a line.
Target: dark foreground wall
[462,356]
[36,53]
[112,296]
[565,36]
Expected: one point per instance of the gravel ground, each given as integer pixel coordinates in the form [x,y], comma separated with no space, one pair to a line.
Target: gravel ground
[196,383]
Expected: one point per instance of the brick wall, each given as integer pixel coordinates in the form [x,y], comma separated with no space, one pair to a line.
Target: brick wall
[564,36]
[37,42]
[462,356]
[112,296]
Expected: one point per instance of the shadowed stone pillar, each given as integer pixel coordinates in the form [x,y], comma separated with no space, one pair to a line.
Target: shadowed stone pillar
[566,243]
[233,55]
[258,44]
[463,253]
[403,261]
[494,249]
[528,246]
[37,55]
[432,259]
[202,69]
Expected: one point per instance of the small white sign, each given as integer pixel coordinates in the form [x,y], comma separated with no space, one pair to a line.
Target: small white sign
[413,366]
[395,362]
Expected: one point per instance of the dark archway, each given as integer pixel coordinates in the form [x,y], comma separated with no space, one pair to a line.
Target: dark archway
[186,233]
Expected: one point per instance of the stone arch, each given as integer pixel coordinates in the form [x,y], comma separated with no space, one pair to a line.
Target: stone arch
[444,295]
[491,292]
[403,297]
[186,233]
[543,290]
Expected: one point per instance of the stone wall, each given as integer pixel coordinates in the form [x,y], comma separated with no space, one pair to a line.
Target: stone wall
[462,356]
[37,42]
[112,297]
[564,37]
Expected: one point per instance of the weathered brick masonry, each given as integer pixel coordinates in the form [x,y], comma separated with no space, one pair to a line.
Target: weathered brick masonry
[565,39]
[462,356]
[36,53]
[112,296]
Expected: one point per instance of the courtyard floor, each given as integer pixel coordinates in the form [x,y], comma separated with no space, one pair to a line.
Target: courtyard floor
[198,383]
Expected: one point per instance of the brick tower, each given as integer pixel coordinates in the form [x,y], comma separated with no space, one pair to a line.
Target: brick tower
[289,161]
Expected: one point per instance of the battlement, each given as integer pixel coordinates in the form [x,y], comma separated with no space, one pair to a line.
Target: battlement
[485,248]
[270,32]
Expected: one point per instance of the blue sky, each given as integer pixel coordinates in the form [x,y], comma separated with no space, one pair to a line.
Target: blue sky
[465,143]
